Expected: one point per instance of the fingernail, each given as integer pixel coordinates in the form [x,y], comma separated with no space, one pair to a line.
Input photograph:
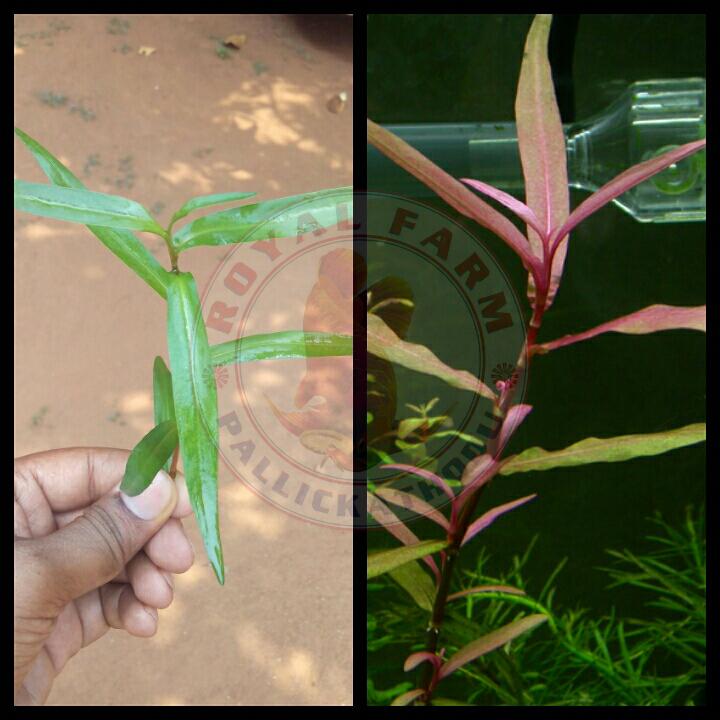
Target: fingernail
[154,500]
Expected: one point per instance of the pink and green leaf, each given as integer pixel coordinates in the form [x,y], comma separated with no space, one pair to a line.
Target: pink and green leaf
[386,560]
[413,504]
[412,661]
[384,343]
[654,318]
[452,191]
[613,449]
[491,641]
[490,516]
[622,183]
[541,141]
[407,697]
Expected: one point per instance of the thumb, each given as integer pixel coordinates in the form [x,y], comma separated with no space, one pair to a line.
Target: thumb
[97,545]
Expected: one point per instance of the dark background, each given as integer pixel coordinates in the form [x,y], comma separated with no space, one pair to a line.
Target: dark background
[439,68]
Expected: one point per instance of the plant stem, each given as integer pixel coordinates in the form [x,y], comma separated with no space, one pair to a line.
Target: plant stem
[173,464]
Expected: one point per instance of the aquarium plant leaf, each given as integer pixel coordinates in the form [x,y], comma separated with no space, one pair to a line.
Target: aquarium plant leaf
[517,206]
[163,406]
[381,562]
[148,457]
[514,418]
[384,343]
[83,206]
[623,182]
[416,582]
[281,346]
[490,516]
[541,142]
[413,660]
[384,516]
[284,217]
[413,504]
[195,398]
[452,191]
[198,203]
[480,589]
[121,243]
[426,475]
[613,449]
[407,697]
[490,642]
[648,320]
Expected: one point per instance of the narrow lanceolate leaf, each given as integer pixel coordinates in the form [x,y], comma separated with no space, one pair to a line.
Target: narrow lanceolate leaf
[204,201]
[416,582]
[614,449]
[281,346]
[83,206]
[384,343]
[285,217]
[431,477]
[163,405]
[386,560]
[384,516]
[541,142]
[121,243]
[413,504]
[195,398]
[626,181]
[412,661]
[490,642]
[480,589]
[511,203]
[491,515]
[148,457]
[648,320]
[451,190]
[407,697]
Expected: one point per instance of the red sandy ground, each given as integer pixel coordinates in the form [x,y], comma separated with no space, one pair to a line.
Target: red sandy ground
[161,128]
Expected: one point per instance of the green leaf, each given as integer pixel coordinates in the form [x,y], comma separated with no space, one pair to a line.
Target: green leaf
[614,449]
[384,343]
[195,398]
[407,697]
[121,243]
[284,217]
[416,582]
[387,560]
[83,206]
[163,405]
[281,346]
[491,641]
[148,457]
[204,201]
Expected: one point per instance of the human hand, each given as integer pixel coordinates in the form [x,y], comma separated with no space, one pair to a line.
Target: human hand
[88,558]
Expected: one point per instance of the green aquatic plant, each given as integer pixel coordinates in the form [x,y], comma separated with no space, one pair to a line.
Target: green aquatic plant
[542,251]
[185,396]
[611,660]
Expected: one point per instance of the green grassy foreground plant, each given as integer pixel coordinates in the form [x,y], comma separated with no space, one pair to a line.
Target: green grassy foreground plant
[613,660]
[185,396]
[542,250]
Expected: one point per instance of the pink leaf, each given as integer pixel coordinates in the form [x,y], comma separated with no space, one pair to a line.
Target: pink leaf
[515,415]
[407,697]
[519,208]
[416,658]
[477,472]
[541,141]
[426,474]
[452,191]
[648,320]
[491,515]
[490,642]
[414,504]
[625,181]
[382,514]
[479,589]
